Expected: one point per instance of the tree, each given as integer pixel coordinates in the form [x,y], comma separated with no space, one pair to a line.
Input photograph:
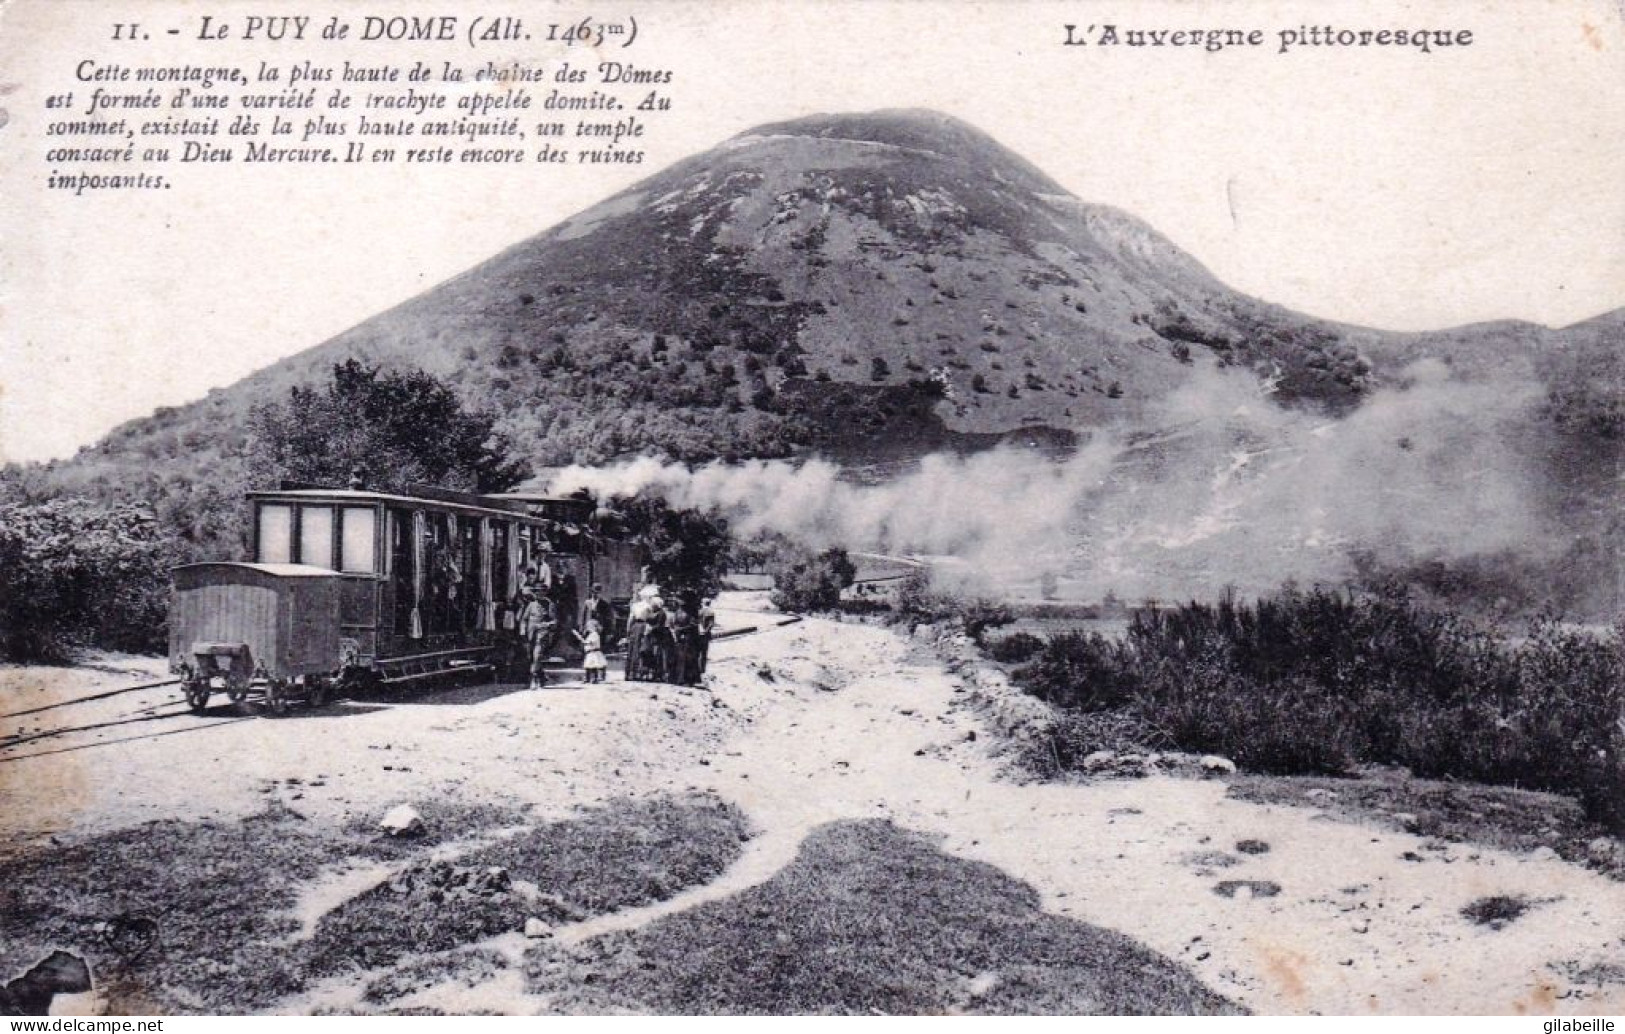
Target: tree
[75,573]
[687,548]
[813,582]
[392,428]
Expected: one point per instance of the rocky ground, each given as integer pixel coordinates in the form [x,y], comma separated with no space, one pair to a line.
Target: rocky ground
[1280,903]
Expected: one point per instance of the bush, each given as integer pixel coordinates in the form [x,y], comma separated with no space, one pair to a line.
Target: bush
[687,548]
[813,582]
[920,599]
[1014,649]
[1320,681]
[75,574]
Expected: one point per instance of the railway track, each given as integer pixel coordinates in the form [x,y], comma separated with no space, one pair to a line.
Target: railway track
[178,710]
[92,696]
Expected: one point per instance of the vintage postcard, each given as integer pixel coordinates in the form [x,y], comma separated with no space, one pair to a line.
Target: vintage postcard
[772,507]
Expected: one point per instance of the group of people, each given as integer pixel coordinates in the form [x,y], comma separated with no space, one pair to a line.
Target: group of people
[668,642]
[664,642]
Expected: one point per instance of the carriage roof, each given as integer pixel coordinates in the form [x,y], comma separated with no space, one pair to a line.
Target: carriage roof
[468,503]
[278,570]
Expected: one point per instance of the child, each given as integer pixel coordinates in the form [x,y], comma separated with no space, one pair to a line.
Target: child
[593,644]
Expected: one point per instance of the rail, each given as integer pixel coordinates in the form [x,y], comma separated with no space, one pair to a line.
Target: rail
[16,740]
[93,696]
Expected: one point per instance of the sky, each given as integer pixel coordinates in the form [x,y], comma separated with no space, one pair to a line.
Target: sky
[1385,188]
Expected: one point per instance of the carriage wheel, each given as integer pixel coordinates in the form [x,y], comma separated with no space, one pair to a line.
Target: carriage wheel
[236,689]
[276,697]
[197,695]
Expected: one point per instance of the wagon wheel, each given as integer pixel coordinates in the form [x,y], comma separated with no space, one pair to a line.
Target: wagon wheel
[318,690]
[236,689]
[276,697]
[197,695]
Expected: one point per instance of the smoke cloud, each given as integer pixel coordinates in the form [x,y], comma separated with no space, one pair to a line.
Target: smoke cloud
[1219,487]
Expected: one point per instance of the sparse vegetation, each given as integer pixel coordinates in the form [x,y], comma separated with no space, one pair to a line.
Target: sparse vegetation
[171,916]
[1451,811]
[1497,910]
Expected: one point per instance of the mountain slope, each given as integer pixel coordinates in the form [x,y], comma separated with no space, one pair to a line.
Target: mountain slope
[869,250]
[873,287]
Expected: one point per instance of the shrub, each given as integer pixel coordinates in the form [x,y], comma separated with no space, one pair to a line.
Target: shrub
[815,582]
[920,599]
[1319,681]
[76,574]
[1014,649]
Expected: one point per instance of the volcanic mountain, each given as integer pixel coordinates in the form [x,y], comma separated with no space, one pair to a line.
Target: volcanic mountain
[872,287]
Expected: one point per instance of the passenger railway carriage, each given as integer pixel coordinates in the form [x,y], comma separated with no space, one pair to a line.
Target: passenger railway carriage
[350,588]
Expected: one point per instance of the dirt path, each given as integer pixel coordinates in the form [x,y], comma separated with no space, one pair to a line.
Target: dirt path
[823,721]
[1355,926]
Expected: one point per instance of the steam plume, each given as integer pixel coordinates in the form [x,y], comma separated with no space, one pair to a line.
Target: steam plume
[1220,487]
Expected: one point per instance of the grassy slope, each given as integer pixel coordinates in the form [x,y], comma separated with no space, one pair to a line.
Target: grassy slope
[180,917]
[873,919]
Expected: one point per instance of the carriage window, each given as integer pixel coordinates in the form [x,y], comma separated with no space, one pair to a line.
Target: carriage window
[276,534]
[316,536]
[355,541]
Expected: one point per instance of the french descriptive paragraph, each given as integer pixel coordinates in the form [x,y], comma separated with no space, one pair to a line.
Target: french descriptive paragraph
[447,90]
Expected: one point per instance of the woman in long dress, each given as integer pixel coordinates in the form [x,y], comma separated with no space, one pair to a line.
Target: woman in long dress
[657,642]
[637,627]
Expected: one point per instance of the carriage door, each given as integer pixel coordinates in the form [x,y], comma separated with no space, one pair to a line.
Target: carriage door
[402,572]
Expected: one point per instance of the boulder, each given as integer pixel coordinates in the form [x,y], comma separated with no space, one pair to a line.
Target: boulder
[525,890]
[536,928]
[402,820]
[1543,854]
[1099,760]
[1214,765]
[30,994]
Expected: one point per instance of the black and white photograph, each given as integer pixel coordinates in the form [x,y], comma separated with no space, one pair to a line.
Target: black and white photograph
[876,508]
